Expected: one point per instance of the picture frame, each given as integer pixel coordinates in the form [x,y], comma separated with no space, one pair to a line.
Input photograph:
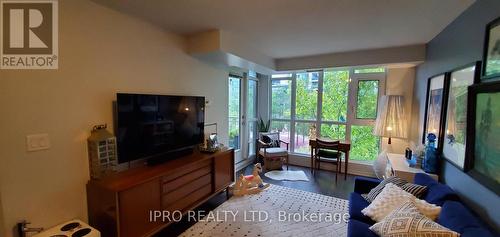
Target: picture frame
[491,52]
[454,148]
[484,134]
[434,107]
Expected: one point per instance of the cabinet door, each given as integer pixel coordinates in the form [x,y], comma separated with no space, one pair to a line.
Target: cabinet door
[135,204]
[224,170]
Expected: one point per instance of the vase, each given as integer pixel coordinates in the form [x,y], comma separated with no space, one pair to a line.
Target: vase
[430,164]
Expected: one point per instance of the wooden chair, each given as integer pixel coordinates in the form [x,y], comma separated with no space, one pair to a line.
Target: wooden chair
[269,147]
[327,151]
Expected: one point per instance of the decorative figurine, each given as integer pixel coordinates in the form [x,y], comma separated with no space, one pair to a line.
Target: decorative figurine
[250,184]
[312,132]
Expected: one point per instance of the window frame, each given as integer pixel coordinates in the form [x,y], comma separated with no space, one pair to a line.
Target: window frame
[351,118]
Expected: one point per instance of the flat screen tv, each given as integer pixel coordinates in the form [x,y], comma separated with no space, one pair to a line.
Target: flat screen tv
[152,126]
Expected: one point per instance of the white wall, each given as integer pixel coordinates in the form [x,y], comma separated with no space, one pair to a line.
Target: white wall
[101,52]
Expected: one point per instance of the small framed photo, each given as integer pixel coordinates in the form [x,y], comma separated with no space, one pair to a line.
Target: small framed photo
[491,54]
[483,129]
[434,107]
[455,132]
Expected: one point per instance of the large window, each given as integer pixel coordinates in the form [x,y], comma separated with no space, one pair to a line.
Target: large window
[341,103]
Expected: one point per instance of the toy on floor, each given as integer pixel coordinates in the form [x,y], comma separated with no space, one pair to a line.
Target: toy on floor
[250,184]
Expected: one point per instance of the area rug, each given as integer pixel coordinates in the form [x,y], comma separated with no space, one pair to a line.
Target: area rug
[287,175]
[275,212]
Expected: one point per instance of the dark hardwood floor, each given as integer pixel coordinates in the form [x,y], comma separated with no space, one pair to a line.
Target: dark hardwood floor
[323,183]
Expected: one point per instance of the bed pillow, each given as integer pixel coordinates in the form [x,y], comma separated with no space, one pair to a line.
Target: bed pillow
[415,189]
[391,197]
[406,220]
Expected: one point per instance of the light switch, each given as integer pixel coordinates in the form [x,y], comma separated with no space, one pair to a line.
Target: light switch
[36,142]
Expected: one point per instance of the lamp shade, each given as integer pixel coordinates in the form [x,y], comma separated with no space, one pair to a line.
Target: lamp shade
[391,117]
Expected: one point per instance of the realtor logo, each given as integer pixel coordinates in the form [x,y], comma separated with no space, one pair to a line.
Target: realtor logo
[29,34]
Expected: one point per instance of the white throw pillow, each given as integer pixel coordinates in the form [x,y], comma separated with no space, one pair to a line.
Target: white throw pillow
[391,197]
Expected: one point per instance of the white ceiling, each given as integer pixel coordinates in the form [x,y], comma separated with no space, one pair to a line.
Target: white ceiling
[290,28]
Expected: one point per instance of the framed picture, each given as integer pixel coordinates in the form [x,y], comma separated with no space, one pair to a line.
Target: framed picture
[483,129]
[491,54]
[455,128]
[434,107]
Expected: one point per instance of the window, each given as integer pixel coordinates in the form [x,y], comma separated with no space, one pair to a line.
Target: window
[281,99]
[335,94]
[341,103]
[306,99]
[283,128]
[365,144]
[367,99]
[234,112]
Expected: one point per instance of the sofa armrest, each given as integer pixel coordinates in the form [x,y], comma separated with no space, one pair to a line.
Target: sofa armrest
[364,185]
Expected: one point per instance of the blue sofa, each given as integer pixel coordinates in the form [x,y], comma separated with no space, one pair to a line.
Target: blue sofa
[454,215]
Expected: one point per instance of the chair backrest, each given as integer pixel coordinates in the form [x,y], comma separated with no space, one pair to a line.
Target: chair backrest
[330,145]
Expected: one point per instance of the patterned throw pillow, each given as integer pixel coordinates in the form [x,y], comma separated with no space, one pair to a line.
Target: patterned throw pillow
[269,139]
[415,189]
[391,197]
[406,221]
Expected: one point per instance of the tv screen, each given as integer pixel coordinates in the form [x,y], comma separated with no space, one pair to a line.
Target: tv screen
[149,126]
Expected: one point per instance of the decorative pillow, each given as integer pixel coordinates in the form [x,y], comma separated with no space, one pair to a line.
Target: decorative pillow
[415,189]
[273,142]
[392,196]
[406,221]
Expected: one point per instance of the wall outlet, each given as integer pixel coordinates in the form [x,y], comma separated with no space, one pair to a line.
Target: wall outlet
[36,142]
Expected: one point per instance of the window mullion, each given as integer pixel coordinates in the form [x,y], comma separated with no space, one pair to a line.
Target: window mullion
[319,109]
[292,111]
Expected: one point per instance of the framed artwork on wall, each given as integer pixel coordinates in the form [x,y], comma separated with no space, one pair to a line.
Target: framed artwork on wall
[483,131]
[491,54]
[434,107]
[455,127]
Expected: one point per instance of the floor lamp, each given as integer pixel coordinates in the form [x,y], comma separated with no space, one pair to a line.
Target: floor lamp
[391,118]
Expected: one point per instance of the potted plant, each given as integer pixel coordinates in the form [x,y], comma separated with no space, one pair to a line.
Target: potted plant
[264,126]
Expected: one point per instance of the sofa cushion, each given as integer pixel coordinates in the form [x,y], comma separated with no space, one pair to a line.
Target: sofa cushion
[356,204]
[456,216]
[476,232]
[424,179]
[437,193]
[364,184]
[356,228]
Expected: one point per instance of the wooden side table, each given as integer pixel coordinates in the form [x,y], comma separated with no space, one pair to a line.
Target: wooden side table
[398,166]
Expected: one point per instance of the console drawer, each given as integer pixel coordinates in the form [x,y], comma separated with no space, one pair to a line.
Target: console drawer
[181,181]
[186,170]
[186,190]
[188,201]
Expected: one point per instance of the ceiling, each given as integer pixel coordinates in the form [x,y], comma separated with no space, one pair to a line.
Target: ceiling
[291,28]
